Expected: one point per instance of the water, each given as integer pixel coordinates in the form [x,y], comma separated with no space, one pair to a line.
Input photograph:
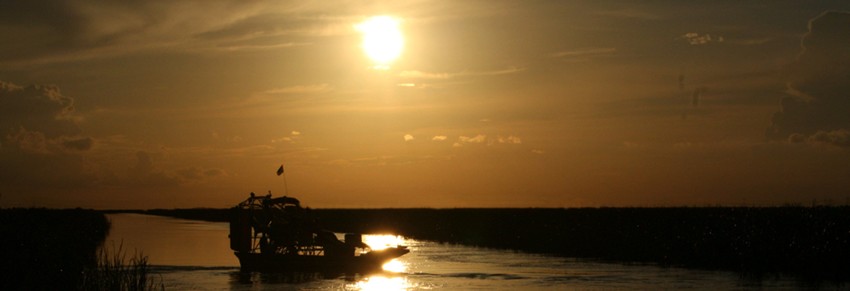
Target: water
[195,255]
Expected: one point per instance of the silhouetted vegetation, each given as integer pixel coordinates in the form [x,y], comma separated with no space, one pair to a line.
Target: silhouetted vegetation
[48,249]
[812,242]
[114,271]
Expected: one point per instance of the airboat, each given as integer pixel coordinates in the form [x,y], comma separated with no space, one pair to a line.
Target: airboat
[277,234]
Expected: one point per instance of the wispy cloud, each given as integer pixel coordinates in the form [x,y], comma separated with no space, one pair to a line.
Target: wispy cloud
[293,137]
[476,139]
[749,41]
[424,75]
[694,38]
[509,139]
[484,139]
[61,31]
[257,47]
[415,74]
[631,13]
[301,89]
[462,140]
[584,52]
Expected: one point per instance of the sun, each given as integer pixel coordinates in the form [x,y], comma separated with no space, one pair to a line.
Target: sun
[382,40]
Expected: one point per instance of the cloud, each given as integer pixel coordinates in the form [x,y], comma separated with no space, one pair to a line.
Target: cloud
[408,137]
[750,41]
[39,119]
[145,174]
[461,140]
[293,137]
[258,46]
[584,53]
[79,144]
[439,138]
[37,32]
[476,139]
[817,104]
[509,140]
[483,139]
[414,74]
[301,89]
[38,108]
[28,141]
[630,13]
[42,145]
[694,38]
[424,75]
[273,25]
[839,138]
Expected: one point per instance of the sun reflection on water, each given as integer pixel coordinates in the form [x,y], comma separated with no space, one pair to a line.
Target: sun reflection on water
[394,266]
[383,241]
[382,283]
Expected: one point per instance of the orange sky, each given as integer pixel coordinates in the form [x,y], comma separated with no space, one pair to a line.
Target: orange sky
[507,104]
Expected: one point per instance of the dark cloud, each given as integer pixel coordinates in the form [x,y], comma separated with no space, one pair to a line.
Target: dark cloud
[817,107]
[42,146]
[38,108]
[39,119]
[145,174]
[79,144]
[839,137]
[51,25]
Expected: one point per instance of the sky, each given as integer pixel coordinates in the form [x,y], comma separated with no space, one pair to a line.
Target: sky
[176,104]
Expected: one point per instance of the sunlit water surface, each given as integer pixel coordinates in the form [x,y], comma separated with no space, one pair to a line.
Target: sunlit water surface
[195,255]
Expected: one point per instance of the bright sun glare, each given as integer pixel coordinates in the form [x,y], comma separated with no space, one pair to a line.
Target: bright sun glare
[382,241]
[382,40]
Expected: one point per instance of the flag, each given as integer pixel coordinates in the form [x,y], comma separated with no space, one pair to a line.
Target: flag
[280,170]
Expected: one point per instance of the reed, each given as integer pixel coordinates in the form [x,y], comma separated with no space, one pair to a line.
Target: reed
[116,271]
[48,249]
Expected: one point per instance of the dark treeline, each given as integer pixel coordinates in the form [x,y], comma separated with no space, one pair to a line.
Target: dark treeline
[48,249]
[806,241]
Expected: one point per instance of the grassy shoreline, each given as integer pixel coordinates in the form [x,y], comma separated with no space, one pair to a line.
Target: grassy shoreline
[48,249]
[808,242]
[62,249]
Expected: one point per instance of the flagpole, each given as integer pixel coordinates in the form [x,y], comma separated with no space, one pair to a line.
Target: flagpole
[285,188]
[281,172]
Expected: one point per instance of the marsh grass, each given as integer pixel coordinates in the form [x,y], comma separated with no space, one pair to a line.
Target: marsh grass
[48,249]
[116,271]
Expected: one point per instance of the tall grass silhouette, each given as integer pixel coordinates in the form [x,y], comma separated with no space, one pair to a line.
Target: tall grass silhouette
[115,270]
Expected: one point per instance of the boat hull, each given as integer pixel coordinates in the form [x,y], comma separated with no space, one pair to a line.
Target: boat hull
[372,261]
